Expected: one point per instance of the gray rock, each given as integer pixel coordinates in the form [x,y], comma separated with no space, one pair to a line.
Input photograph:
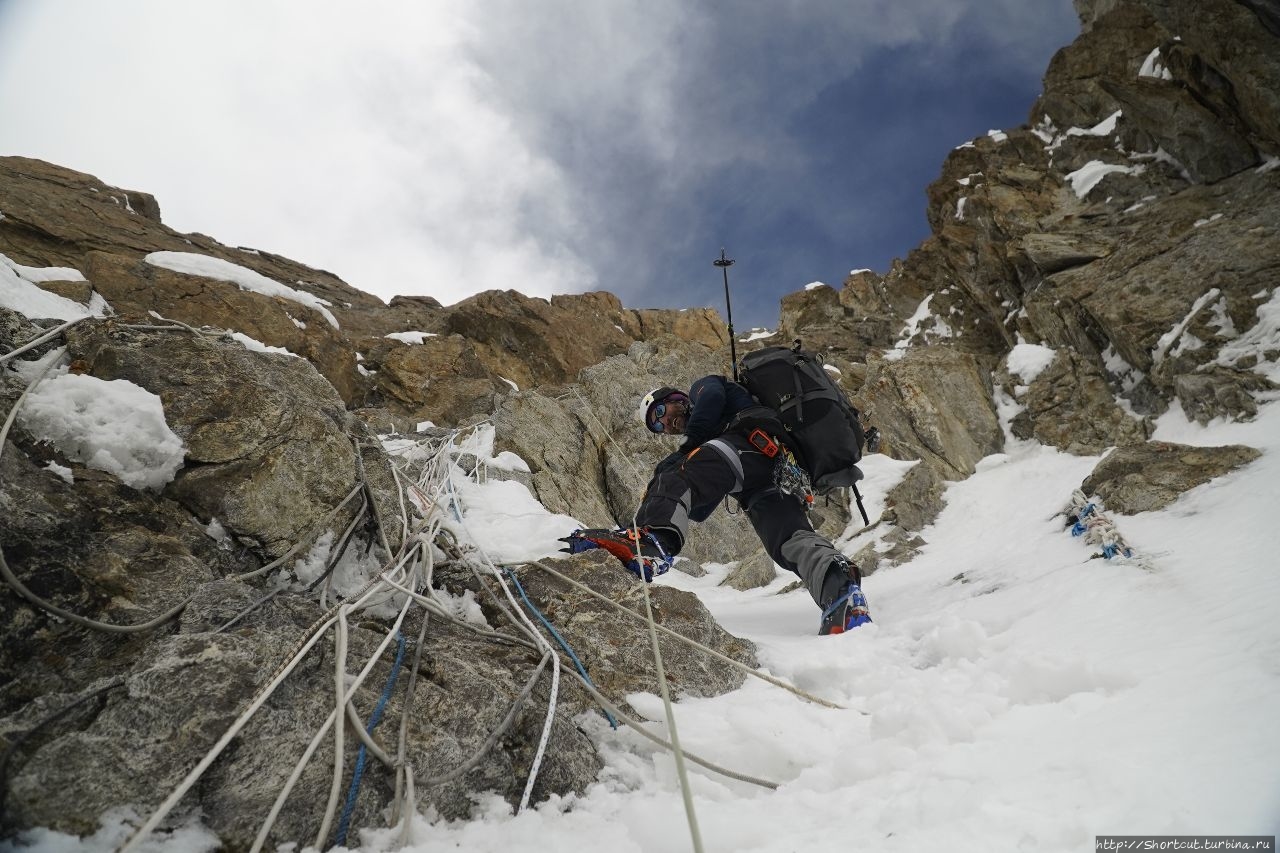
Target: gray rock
[1070,406]
[610,645]
[752,573]
[269,449]
[1150,476]
[1220,392]
[934,404]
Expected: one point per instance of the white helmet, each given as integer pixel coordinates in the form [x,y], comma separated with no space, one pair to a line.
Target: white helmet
[648,410]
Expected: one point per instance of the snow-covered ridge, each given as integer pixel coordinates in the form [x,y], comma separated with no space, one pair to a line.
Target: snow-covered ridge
[207,266]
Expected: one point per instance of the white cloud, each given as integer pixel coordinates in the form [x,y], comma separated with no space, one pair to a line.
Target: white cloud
[441,148]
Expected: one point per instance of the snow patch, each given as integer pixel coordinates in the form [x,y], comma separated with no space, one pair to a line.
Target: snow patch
[1168,338]
[411,337]
[206,266]
[1200,223]
[1106,127]
[255,345]
[1162,156]
[1263,337]
[113,426]
[1115,363]
[1085,178]
[61,471]
[1153,66]
[1027,361]
[814,285]
[960,203]
[757,335]
[18,292]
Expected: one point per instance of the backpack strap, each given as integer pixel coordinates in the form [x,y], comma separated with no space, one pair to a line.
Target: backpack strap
[731,456]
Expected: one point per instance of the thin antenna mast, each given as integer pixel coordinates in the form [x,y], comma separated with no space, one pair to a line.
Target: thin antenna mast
[724,264]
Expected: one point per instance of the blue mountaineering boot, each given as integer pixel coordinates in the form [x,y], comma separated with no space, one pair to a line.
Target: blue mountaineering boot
[622,543]
[848,608]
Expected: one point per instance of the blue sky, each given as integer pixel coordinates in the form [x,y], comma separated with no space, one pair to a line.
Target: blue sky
[549,147]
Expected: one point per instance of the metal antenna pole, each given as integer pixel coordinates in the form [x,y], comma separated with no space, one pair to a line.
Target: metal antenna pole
[724,264]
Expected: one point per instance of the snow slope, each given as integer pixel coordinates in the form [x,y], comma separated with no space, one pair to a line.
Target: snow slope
[1013,693]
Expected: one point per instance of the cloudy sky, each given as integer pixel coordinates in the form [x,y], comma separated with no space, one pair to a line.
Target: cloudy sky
[550,146]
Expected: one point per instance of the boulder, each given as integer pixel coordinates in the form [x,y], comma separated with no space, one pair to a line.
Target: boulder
[752,572]
[610,645]
[1150,476]
[269,445]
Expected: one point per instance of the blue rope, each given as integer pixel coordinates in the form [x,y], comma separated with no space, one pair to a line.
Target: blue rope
[340,838]
[559,639]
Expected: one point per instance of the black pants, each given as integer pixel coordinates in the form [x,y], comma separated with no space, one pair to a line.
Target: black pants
[729,465]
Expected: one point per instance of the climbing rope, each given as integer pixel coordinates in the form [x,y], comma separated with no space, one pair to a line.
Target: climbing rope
[344,822]
[546,623]
[47,336]
[686,792]
[426,489]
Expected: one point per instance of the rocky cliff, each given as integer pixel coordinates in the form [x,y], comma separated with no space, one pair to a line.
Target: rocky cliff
[1127,234]
[1131,226]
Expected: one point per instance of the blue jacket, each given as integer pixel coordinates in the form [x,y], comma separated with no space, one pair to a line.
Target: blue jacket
[715,401]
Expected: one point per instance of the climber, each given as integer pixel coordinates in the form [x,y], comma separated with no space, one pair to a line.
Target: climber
[730,447]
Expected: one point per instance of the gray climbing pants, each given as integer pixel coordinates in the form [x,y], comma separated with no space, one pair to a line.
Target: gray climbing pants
[729,465]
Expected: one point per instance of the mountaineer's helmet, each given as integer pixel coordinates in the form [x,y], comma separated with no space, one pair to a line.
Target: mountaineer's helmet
[654,406]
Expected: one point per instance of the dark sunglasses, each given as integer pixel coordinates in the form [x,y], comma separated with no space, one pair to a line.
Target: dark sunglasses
[658,412]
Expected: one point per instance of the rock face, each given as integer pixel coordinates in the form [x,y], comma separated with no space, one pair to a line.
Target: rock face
[1131,226]
[1070,406]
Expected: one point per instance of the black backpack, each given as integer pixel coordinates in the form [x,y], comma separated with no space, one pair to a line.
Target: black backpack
[822,427]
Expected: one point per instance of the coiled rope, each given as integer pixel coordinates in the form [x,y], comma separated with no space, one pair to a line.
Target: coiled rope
[1086,519]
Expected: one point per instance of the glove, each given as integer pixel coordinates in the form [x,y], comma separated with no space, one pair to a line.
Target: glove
[670,463]
[622,543]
